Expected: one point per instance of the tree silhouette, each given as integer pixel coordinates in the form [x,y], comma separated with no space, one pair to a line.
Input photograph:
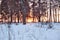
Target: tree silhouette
[24,9]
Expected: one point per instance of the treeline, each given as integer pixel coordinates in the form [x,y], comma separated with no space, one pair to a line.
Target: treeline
[21,9]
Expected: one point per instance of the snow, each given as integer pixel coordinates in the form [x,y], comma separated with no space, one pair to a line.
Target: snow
[30,31]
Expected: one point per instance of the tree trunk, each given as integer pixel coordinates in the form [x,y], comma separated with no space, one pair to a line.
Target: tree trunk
[39,11]
[24,19]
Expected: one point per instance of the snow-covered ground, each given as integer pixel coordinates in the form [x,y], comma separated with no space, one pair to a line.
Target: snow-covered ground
[30,31]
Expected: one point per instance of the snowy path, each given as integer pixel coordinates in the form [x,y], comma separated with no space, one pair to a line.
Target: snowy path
[29,32]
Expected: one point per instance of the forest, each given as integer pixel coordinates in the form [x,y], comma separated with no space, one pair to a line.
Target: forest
[16,11]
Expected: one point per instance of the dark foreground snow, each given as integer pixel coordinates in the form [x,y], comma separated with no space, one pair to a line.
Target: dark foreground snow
[30,31]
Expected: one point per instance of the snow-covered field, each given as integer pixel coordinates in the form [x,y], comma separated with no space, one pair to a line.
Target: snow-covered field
[30,31]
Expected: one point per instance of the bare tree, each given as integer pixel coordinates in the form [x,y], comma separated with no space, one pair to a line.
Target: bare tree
[4,8]
[24,9]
